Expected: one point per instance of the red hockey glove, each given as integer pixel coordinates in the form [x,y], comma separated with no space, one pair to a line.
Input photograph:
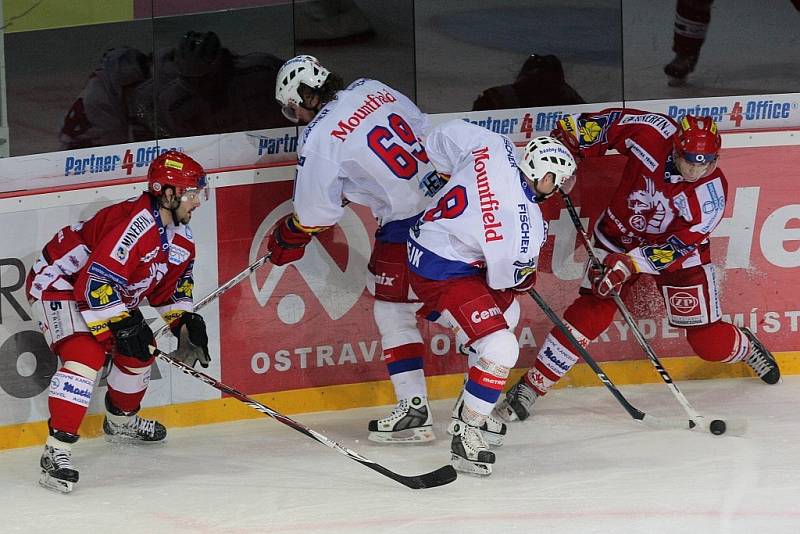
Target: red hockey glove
[286,243]
[617,269]
[527,283]
[566,132]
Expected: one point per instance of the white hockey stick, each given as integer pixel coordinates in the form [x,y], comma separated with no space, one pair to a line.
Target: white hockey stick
[715,426]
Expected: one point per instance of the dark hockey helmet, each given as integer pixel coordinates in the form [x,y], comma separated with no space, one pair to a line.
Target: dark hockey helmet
[177,170]
[697,141]
[198,54]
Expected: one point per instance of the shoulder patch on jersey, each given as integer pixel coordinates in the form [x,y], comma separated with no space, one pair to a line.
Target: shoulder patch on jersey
[658,122]
[178,254]
[659,256]
[593,128]
[681,203]
[523,269]
[137,227]
[100,294]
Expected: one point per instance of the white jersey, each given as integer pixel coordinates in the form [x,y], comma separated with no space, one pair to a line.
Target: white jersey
[485,217]
[363,147]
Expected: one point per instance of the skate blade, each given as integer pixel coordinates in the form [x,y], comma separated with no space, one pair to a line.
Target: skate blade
[120,439]
[411,435]
[471,468]
[491,438]
[505,413]
[56,484]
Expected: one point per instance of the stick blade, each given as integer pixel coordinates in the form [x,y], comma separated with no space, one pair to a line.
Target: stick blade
[667,423]
[444,475]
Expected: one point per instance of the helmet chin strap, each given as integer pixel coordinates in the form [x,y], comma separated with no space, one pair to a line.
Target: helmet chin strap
[174,204]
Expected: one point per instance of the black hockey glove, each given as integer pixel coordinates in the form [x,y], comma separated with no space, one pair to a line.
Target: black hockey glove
[190,329]
[133,336]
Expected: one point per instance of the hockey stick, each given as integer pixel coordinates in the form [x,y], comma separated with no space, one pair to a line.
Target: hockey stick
[637,414]
[439,477]
[716,426]
[222,289]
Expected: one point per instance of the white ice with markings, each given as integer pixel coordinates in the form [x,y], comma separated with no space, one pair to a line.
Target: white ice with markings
[580,465]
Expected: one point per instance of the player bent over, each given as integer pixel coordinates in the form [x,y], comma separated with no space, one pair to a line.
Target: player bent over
[671,197]
[85,290]
[362,146]
[476,244]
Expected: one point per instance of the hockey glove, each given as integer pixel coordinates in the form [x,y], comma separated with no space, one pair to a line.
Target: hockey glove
[190,329]
[566,132]
[133,336]
[286,242]
[617,269]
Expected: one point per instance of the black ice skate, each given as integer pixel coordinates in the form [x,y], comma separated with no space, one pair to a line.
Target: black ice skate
[761,360]
[679,68]
[124,427]
[58,473]
[493,430]
[409,422]
[469,453]
[517,403]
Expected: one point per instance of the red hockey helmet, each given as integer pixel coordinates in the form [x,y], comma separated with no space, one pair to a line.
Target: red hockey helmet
[698,140]
[177,170]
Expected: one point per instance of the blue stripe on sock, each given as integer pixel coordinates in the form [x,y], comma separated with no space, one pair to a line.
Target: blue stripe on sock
[403,366]
[486,394]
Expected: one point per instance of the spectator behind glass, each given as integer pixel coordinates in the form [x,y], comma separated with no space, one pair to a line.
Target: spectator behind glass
[198,87]
[540,82]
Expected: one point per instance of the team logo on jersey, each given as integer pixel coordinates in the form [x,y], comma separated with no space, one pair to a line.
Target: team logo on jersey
[100,294]
[140,223]
[650,208]
[660,256]
[593,129]
[523,269]
[184,288]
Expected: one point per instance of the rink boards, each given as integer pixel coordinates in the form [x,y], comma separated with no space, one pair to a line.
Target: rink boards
[301,338]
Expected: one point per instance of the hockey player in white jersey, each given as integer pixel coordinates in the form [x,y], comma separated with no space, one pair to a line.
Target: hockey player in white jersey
[475,246]
[361,145]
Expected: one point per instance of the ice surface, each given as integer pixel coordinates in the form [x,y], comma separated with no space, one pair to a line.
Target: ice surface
[580,465]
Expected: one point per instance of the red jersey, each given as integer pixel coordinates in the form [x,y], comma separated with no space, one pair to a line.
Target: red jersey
[660,220]
[113,261]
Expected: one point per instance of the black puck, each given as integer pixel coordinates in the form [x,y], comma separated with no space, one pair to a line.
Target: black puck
[717,427]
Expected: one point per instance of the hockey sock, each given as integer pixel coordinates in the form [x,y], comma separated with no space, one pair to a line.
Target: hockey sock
[127,383]
[405,365]
[718,342]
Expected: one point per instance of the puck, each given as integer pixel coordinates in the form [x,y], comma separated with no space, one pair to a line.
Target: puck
[717,427]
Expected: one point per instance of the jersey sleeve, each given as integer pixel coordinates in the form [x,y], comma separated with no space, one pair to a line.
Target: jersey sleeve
[628,131]
[318,191]
[700,212]
[448,144]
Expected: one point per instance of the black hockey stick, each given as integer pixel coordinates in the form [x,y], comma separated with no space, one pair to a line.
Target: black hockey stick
[637,414]
[439,477]
[222,289]
[715,426]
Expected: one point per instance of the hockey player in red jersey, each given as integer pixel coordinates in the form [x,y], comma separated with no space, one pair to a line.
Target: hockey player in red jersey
[85,291]
[671,197]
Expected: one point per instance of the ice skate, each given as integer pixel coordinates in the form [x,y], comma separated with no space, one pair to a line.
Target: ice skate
[58,473]
[120,427]
[761,360]
[493,430]
[679,68]
[517,403]
[409,422]
[469,452]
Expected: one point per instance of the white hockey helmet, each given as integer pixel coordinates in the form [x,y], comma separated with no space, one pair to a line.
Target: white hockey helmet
[300,69]
[546,154]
